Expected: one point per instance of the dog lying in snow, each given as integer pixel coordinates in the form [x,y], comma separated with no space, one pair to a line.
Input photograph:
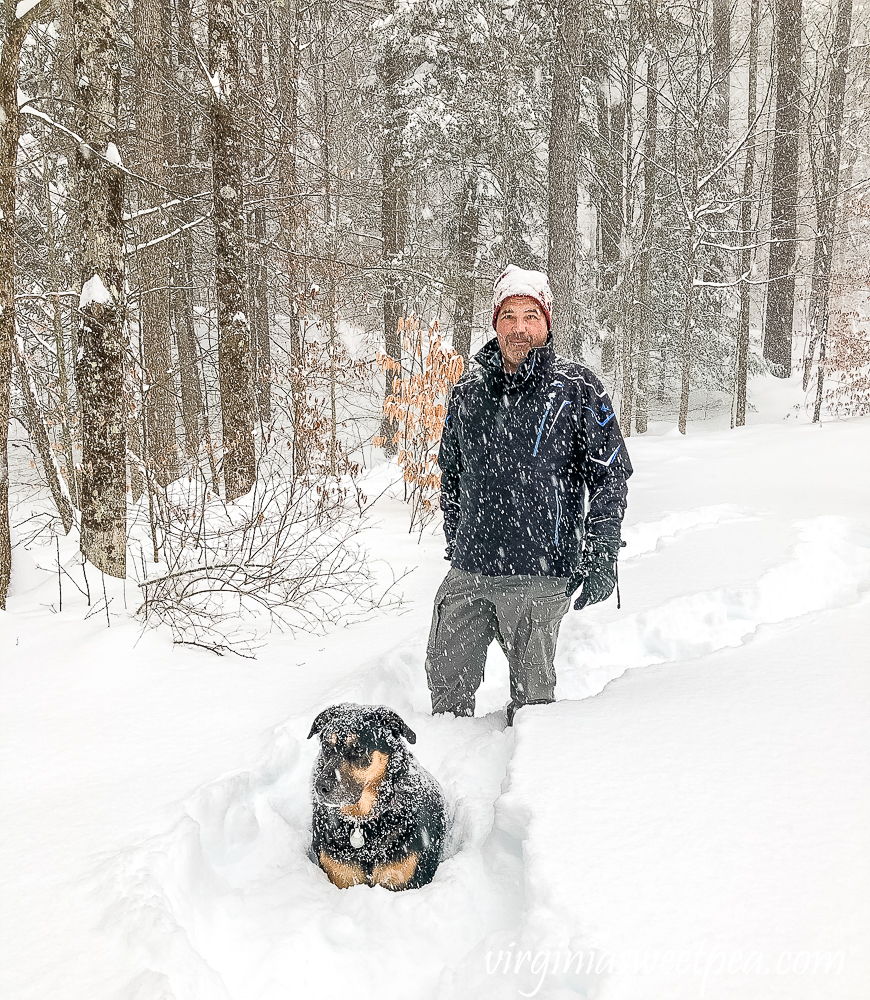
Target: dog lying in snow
[378,816]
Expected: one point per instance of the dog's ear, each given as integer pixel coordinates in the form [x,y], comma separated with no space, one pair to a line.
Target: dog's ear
[396,724]
[322,721]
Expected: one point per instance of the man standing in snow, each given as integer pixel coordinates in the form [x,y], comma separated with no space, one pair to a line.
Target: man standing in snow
[528,437]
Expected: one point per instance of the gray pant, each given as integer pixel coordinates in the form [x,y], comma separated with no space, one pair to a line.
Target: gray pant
[522,612]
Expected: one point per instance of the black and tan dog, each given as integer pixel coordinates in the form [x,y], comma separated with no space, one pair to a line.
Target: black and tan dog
[378,816]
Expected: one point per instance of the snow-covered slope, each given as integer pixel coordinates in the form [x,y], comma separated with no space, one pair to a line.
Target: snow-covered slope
[698,821]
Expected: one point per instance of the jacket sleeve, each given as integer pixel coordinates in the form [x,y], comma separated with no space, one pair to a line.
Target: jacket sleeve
[450,463]
[605,463]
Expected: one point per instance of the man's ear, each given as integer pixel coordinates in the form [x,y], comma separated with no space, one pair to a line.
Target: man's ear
[323,720]
[395,724]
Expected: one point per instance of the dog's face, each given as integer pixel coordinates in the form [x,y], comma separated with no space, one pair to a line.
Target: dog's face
[356,742]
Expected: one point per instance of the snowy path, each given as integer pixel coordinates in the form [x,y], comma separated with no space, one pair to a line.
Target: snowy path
[711,803]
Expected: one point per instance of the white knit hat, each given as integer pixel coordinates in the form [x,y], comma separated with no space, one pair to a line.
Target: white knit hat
[515,280]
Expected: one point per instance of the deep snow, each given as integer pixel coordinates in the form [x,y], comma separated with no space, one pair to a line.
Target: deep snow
[691,815]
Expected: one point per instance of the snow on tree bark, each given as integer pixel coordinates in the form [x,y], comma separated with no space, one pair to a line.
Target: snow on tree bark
[102,338]
[231,273]
[784,190]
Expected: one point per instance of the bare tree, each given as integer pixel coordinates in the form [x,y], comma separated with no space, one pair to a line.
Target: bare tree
[645,261]
[565,152]
[102,340]
[257,262]
[721,30]
[179,121]
[234,344]
[466,262]
[394,224]
[746,231]
[291,209]
[152,259]
[784,190]
[827,191]
[14,30]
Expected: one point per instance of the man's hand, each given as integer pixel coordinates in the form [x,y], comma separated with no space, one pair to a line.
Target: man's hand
[597,578]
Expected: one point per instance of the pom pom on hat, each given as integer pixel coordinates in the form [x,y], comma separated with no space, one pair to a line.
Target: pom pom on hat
[515,280]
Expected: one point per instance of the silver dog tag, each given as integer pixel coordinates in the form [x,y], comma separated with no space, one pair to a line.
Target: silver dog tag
[356,838]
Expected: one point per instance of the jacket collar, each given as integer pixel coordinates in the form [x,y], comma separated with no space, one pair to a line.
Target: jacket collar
[539,359]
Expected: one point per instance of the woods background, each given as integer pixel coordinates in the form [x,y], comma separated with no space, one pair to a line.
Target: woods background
[214,217]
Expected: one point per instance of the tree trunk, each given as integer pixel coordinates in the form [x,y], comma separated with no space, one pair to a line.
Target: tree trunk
[628,309]
[688,338]
[747,234]
[784,190]
[648,235]
[466,264]
[611,125]
[826,202]
[13,37]
[102,342]
[564,157]
[196,428]
[289,215]
[394,228]
[259,277]
[231,273]
[154,276]
[722,62]
[330,221]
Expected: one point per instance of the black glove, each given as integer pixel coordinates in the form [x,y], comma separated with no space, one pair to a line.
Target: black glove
[597,578]
[451,545]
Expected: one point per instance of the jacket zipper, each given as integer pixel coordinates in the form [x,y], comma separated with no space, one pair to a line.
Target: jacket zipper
[541,428]
[565,403]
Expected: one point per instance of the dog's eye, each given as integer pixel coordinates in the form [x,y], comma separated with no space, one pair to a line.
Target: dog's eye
[357,755]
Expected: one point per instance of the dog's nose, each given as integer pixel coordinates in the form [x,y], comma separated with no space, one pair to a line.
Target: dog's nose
[323,786]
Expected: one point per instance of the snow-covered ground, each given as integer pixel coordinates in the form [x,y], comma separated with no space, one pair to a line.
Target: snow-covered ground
[689,820]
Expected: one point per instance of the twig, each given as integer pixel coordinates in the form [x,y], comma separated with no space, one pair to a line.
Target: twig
[106,599]
[59,587]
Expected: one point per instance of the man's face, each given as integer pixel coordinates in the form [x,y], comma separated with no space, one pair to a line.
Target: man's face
[520,326]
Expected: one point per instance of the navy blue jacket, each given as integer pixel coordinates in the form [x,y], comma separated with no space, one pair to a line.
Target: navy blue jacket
[519,456]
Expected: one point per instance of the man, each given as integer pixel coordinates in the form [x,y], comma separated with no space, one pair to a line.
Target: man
[527,438]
